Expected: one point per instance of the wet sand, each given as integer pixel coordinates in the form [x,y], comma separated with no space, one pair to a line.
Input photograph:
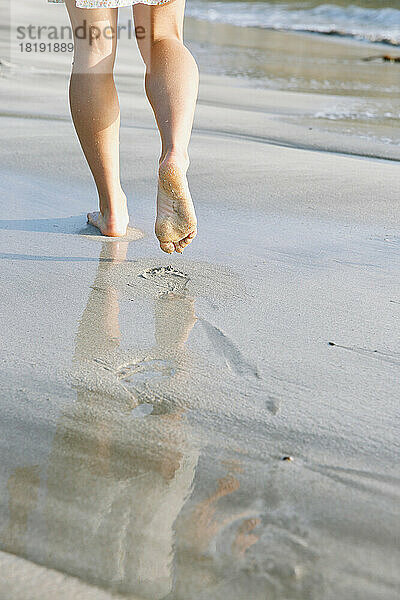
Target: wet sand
[148,402]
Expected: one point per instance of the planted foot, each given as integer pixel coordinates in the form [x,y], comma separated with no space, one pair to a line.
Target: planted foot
[112,222]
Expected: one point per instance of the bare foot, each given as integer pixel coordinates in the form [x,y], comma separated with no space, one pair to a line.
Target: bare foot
[176,223]
[112,223]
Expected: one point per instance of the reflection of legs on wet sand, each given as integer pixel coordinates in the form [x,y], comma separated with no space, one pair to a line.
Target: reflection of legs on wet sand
[244,536]
[211,536]
[174,320]
[98,331]
[116,484]
[159,377]
[99,336]
[201,525]
[22,486]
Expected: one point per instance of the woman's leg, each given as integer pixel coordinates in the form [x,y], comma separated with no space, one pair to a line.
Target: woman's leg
[95,110]
[171,87]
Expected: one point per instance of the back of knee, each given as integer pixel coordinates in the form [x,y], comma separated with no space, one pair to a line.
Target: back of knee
[95,51]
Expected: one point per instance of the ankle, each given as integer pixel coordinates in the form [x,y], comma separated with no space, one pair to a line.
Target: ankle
[175,155]
[113,205]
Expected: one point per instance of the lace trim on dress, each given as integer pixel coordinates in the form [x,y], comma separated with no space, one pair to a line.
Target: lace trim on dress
[110,3]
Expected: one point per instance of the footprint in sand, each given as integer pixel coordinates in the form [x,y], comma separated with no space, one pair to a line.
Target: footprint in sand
[168,278]
[135,374]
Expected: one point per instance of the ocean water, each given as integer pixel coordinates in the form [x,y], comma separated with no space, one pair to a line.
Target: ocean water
[336,49]
[368,20]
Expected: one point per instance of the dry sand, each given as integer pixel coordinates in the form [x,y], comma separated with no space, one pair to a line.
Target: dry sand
[147,402]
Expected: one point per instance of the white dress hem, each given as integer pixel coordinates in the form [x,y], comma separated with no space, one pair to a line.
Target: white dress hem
[110,3]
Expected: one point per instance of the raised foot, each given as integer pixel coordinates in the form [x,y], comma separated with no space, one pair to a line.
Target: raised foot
[176,223]
[111,226]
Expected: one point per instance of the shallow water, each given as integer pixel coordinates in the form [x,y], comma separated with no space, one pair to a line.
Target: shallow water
[371,21]
[335,68]
[253,50]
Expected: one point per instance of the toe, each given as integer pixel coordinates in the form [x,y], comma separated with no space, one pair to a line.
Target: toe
[92,218]
[186,241]
[178,247]
[167,247]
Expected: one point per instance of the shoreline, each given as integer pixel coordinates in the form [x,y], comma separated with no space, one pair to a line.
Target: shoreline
[333,37]
[361,95]
[359,20]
